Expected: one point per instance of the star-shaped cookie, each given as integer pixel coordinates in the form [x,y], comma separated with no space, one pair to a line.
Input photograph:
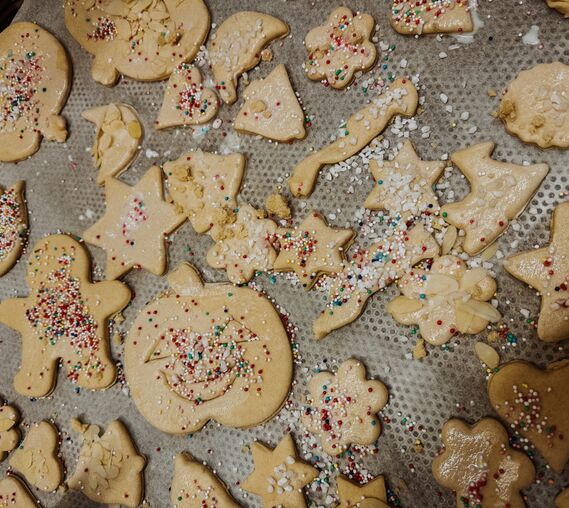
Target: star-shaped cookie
[547,271]
[499,192]
[404,186]
[312,249]
[135,224]
[370,495]
[279,476]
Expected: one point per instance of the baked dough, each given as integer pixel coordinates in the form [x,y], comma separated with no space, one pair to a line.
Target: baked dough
[9,433]
[431,16]
[370,495]
[13,225]
[15,494]
[561,5]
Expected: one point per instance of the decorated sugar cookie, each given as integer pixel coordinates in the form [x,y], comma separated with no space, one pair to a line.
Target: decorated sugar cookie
[271,109]
[134,227]
[344,407]
[547,271]
[143,40]
[478,464]
[186,100]
[109,469]
[63,319]
[34,84]
[13,225]
[445,299]
[205,186]
[431,16]
[195,486]
[400,99]
[15,493]
[117,139]
[209,352]
[499,192]
[340,47]
[9,433]
[279,476]
[37,458]
[237,45]
[312,249]
[535,404]
[563,7]
[370,495]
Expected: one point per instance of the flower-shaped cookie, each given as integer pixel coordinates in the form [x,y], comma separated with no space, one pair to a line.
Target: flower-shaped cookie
[446,299]
[344,407]
[9,433]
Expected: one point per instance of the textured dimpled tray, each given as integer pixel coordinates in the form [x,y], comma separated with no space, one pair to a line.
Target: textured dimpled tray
[456,81]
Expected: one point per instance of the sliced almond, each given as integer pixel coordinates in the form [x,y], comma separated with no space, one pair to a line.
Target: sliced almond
[487,354]
[449,239]
[403,305]
[483,310]
[490,252]
[134,129]
[473,277]
[439,284]
[123,29]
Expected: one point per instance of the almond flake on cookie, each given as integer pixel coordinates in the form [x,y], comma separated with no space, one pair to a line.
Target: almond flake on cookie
[9,433]
[14,493]
[369,495]
[13,225]
[431,16]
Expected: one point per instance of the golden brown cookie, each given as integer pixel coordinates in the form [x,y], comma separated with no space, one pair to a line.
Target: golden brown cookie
[561,5]
[370,495]
[431,16]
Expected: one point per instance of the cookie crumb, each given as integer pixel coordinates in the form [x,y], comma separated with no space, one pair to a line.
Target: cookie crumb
[276,205]
[419,350]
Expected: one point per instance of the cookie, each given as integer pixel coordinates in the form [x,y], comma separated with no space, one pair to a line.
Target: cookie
[499,192]
[209,352]
[13,225]
[340,47]
[277,206]
[534,402]
[279,476]
[312,249]
[271,109]
[204,185]
[404,186]
[117,139]
[35,78]
[446,299]
[409,17]
[535,106]
[186,100]
[344,407]
[15,493]
[37,458]
[547,271]
[369,271]
[370,495]
[135,225]
[478,464]
[195,486]
[243,244]
[143,40]
[400,99]
[237,45]
[563,7]
[562,500]
[9,433]
[63,319]
[109,469]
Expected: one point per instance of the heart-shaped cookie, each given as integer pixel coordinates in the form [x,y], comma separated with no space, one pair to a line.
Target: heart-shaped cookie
[535,403]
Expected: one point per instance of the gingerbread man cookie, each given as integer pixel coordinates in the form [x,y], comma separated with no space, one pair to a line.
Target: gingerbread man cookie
[370,495]
[563,7]
[14,493]
[210,352]
[431,16]
[478,464]
[64,318]
[344,407]
[13,225]
[35,77]
[9,433]
[144,40]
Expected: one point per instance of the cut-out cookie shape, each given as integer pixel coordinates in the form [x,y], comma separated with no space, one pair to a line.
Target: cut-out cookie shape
[535,403]
[279,476]
[340,48]
[109,469]
[404,186]
[186,100]
[210,352]
[271,109]
[195,486]
[9,433]
[535,106]
[562,500]
[547,271]
[37,458]
[371,495]
[14,493]
[478,464]
[563,7]
[400,99]
[369,271]
[34,84]
[312,249]
[205,185]
[118,136]
[344,407]
[237,45]
[499,192]
[446,299]
[134,227]
[13,225]
[431,16]
[243,244]
[144,40]
[64,317]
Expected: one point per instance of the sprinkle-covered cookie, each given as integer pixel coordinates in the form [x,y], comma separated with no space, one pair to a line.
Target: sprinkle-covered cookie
[13,225]
[431,16]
